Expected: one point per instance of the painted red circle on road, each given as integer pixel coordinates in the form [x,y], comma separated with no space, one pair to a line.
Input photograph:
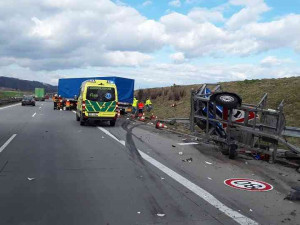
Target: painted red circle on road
[248,184]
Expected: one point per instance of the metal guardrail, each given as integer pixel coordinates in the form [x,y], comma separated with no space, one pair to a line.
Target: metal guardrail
[10,100]
[288,131]
[291,132]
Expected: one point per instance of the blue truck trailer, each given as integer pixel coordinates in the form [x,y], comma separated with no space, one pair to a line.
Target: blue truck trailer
[69,87]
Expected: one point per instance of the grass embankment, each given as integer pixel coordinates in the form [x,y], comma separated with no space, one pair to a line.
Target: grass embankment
[10,94]
[251,92]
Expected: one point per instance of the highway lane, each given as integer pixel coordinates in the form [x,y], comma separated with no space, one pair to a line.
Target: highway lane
[14,118]
[82,178]
[209,170]
[81,175]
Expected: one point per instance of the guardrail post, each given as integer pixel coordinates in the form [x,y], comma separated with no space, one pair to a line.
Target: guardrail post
[192,115]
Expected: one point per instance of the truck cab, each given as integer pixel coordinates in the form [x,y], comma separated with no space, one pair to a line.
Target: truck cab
[97,101]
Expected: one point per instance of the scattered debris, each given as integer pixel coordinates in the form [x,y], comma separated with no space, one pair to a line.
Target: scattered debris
[173,146]
[138,212]
[246,162]
[209,163]
[180,153]
[188,160]
[162,178]
[293,213]
[102,137]
[30,178]
[209,178]
[293,195]
[172,122]
[284,175]
[251,210]
[127,118]
[160,214]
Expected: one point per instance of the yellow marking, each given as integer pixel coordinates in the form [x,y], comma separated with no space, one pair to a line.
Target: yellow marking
[99,106]
[109,106]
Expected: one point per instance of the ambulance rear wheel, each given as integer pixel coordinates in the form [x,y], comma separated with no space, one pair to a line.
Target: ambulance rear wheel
[112,123]
[77,117]
[82,121]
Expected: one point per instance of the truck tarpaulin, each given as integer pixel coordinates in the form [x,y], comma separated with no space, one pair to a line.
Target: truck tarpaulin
[69,87]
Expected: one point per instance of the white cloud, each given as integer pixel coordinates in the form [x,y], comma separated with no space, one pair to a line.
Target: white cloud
[175,3]
[250,13]
[66,34]
[271,61]
[177,57]
[63,35]
[204,15]
[147,3]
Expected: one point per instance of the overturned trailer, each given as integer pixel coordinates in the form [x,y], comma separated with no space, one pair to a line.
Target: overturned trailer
[235,125]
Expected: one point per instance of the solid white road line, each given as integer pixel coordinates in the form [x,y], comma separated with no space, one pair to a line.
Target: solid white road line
[111,135]
[9,106]
[236,216]
[34,114]
[7,142]
[188,143]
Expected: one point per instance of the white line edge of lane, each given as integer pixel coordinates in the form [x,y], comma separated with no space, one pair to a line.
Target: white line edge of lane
[236,216]
[7,142]
[9,106]
[34,114]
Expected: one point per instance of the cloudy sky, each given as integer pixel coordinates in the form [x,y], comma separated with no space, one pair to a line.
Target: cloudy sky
[156,42]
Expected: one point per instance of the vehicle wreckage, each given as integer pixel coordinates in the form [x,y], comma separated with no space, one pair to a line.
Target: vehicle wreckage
[234,125]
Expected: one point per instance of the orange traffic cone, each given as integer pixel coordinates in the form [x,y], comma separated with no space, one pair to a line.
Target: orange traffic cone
[142,118]
[160,125]
[152,117]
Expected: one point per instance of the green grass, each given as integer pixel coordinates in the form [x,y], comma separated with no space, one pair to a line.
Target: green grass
[10,94]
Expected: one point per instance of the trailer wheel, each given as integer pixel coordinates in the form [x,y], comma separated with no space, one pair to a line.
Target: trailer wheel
[224,149]
[226,99]
[112,123]
[232,151]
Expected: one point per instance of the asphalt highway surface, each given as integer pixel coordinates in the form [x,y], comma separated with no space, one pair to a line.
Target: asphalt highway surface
[54,171]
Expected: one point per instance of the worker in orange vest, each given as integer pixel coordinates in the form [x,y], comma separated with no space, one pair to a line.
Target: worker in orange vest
[68,104]
[55,100]
[141,107]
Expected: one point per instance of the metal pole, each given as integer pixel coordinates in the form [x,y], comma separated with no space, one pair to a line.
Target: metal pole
[192,116]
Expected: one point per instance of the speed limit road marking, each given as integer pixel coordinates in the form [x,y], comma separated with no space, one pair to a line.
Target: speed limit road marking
[248,184]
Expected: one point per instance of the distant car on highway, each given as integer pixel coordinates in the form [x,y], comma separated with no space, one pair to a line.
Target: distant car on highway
[28,100]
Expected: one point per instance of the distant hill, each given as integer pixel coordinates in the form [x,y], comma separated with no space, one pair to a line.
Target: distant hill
[25,85]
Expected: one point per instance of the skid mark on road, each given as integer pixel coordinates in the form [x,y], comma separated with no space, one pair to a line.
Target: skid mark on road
[236,216]
[7,142]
